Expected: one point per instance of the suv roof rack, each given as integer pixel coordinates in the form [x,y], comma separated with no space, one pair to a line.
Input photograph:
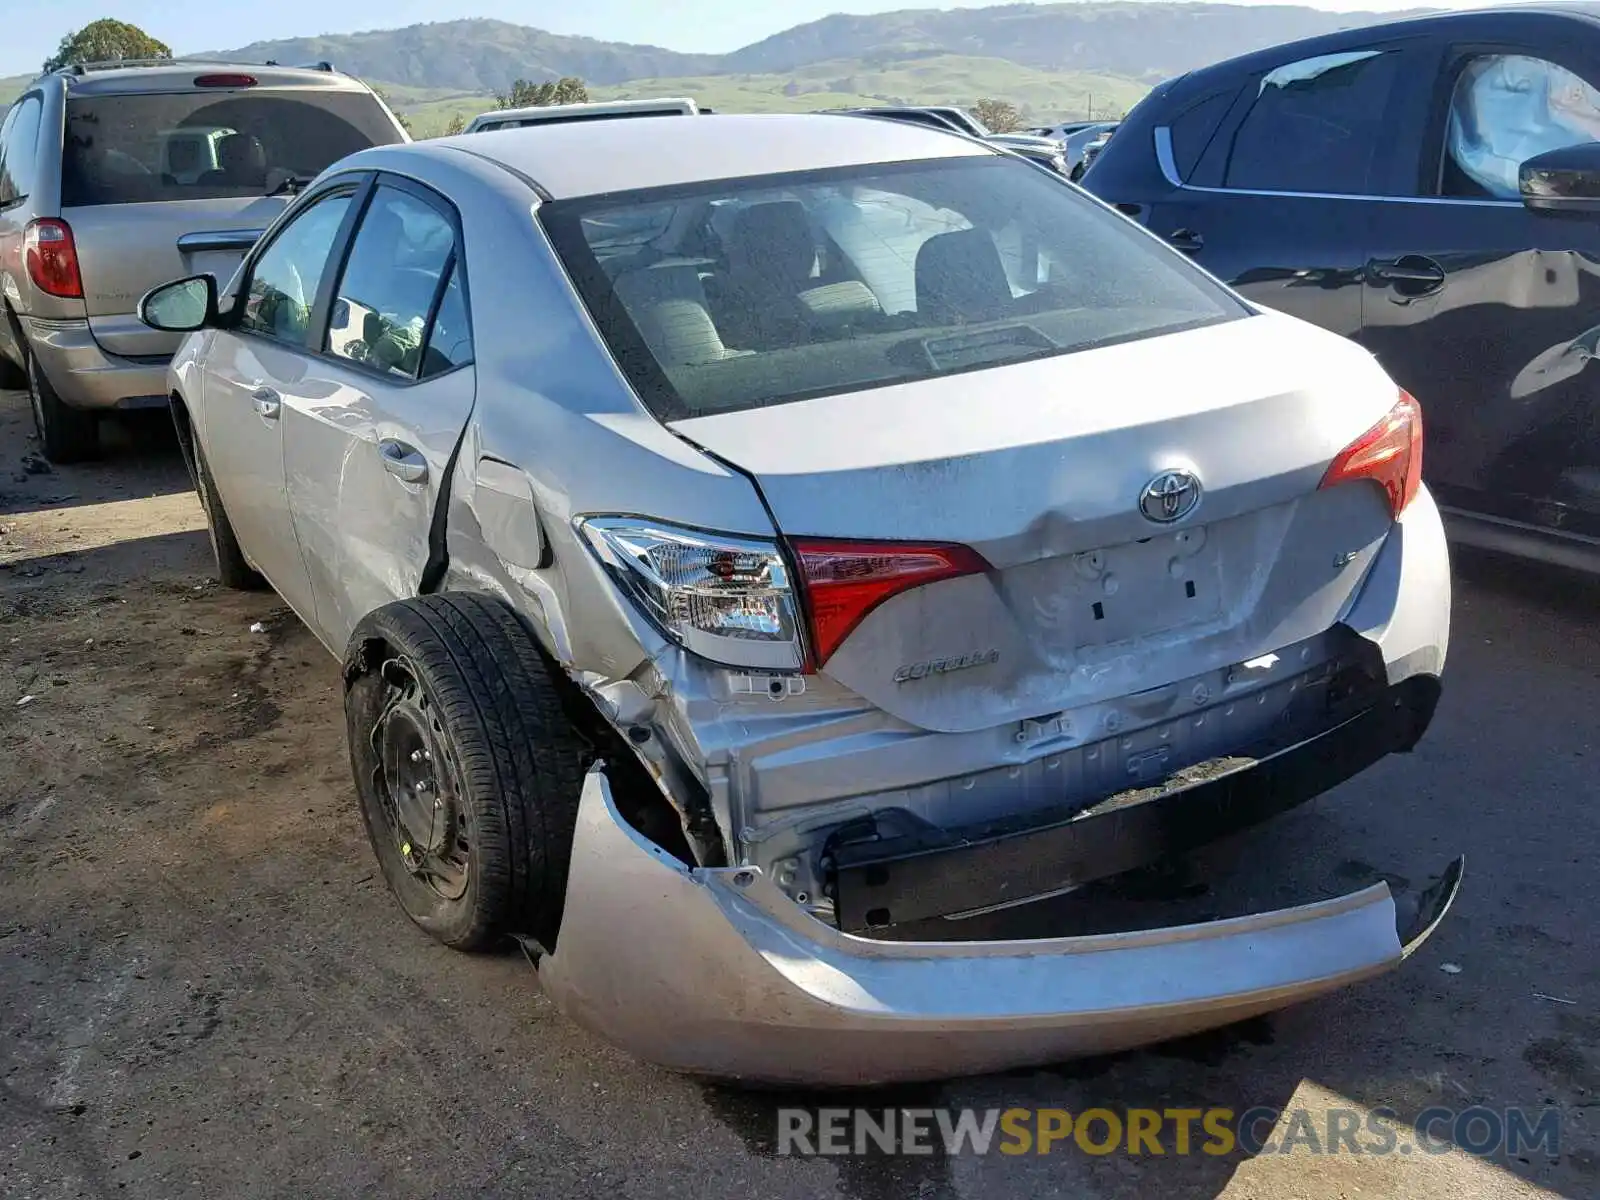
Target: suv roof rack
[115,64]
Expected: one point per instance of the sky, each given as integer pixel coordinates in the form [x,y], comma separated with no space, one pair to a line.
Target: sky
[34,27]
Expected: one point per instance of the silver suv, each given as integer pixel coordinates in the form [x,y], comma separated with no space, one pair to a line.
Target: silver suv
[118,177]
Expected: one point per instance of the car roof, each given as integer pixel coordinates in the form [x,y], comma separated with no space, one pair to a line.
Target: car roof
[595,157]
[179,76]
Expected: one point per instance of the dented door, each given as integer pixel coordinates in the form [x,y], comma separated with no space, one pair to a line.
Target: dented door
[370,435]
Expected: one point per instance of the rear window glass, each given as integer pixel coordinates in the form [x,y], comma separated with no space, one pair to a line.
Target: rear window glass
[742,293]
[208,145]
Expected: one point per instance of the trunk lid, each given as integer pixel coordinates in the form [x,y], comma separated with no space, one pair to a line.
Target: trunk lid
[1040,467]
[124,250]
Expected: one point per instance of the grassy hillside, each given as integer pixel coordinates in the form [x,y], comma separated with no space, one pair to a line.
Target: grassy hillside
[940,79]
[1139,40]
[477,55]
[11,87]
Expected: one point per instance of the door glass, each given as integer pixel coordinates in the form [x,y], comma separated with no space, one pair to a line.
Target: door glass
[284,281]
[398,259]
[1315,125]
[450,339]
[1506,109]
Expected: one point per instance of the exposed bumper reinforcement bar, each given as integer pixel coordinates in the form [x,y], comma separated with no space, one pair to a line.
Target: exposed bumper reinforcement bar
[716,972]
[933,872]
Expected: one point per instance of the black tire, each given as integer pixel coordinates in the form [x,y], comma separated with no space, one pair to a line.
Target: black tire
[12,377]
[66,434]
[232,569]
[506,767]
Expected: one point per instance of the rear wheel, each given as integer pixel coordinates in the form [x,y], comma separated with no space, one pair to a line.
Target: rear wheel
[467,768]
[66,434]
[233,571]
[12,377]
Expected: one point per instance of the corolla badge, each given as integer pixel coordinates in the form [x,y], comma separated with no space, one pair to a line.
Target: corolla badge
[1170,496]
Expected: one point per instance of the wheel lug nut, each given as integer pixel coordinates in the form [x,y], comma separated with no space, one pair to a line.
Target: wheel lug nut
[416,756]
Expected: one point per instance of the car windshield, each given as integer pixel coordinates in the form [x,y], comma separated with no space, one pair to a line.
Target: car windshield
[742,293]
[207,145]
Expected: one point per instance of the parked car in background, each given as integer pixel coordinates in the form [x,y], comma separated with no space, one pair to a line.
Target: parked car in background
[867,535]
[1047,152]
[1075,137]
[1090,148]
[118,176]
[1428,188]
[546,114]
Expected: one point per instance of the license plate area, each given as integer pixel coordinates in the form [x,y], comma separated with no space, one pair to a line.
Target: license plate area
[1123,593]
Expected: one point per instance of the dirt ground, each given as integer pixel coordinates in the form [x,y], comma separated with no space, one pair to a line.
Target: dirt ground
[205,989]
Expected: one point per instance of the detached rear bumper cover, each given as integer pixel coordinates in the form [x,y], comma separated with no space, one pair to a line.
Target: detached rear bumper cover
[715,972]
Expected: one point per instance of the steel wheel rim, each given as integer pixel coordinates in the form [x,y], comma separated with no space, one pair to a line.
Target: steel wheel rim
[418,785]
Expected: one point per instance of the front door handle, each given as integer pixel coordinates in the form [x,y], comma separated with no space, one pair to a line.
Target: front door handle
[268,403]
[1410,275]
[404,462]
[1186,240]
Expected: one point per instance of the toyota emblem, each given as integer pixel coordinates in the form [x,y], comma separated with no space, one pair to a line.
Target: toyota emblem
[1170,496]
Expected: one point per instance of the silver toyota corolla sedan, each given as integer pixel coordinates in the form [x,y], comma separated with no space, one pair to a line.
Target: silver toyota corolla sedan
[765,553]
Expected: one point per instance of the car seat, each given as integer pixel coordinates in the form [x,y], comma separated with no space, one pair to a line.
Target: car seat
[960,279]
[241,162]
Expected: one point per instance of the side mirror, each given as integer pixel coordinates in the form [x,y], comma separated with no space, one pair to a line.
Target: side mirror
[181,307]
[1563,181]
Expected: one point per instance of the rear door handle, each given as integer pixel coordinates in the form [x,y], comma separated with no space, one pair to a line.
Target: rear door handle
[404,462]
[268,403]
[1410,274]
[1186,240]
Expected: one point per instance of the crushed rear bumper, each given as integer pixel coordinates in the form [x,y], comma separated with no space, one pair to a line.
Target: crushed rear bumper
[716,972]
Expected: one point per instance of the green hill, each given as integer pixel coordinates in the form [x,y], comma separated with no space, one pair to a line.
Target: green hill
[946,79]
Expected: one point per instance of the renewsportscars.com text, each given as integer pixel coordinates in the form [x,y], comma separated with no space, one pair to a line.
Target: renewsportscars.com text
[1481,1131]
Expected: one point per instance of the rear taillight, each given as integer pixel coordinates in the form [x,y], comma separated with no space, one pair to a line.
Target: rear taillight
[731,599]
[1389,454]
[52,258]
[845,581]
[225,80]
[728,599]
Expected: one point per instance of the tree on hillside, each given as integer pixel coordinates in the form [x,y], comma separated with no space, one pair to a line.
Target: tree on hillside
[1000,116]
[105,41]
[458,124]
[526,94]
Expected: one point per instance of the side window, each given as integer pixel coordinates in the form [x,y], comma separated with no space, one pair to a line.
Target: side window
[7,192]
[21,150]
[283,282]
[396,267]
[1315,126]
[1506,109]
[1193,128]
[450,339]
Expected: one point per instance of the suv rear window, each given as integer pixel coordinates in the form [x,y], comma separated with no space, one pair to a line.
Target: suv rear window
[204,145]
[741,293]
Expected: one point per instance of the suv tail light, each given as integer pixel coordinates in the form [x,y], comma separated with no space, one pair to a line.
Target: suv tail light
[52,258]
[225,81]
[731,600]
[845,581]
[1389,454]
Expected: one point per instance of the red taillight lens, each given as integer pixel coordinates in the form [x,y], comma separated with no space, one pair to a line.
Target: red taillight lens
[1389,454]
[225,81]
[52,258]
[844,581]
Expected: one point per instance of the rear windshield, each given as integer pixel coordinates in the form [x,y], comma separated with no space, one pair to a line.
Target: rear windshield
[207,145]
[742,293]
